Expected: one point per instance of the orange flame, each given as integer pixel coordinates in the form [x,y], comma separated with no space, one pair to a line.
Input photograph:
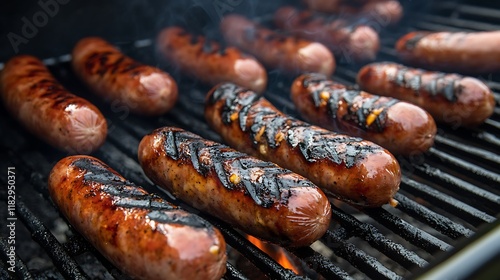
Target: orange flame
[275,252]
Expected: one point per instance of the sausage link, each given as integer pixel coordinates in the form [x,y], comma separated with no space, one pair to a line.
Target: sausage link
[401,127]
[140,233]
[353,42]
[349,168]
[276,51]
[450,98]
[39,102]
[144,89]
[466,52]
[258,197]
[385,12]
[208,62]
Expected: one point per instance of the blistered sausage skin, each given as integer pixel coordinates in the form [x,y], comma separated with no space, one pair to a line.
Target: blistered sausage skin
[144,89]
[450,98]
[400,127]
[140,233]
[276,51]
[466,52]
[207,61]
[41,104]
[255,196]
[350,41]
[383,12]
[349,168]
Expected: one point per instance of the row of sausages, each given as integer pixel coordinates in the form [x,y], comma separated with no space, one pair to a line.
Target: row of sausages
[285,202]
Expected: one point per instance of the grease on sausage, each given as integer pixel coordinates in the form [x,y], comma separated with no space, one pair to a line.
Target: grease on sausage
[354,170]
[208,61]
[258,197]
[450,98]
[400,127]
[41,104]
[144,89]
[276,51]
[140,233]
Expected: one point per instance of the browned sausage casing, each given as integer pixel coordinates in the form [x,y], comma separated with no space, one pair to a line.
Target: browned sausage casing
[354,170]
[400,127]
[276,51]
[208,62]
[450,98]
[384,12]
[353,42]
[34,97]
[258,197]
[467,52]
[140,233]
[144,89]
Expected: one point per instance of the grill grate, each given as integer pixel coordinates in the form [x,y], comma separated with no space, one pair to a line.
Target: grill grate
[446,194]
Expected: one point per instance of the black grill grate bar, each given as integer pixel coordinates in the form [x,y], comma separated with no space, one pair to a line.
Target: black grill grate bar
[233,274]
[406,230]
[469,9]
[431,218]
[456,23]
[474,170]
[358,258]
[446,202]
[68,266]
[484,198]
[492,124]
[321,264]
[488,138]
[471,150]
[21,270]
[369,233]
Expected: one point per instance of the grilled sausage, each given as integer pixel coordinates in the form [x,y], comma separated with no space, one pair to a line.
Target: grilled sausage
[144,89]
[466,52]
[354,170]
[385,12]
[401,127]
[276,51]
[450,98]
[208,62]
[140,233]
[353,42]
[39,102]
[258,197]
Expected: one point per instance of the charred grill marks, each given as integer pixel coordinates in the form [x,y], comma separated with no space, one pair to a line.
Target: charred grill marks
[440,84]
[126,194]
[313,144]
[366,113]
[109,62]
[265,182]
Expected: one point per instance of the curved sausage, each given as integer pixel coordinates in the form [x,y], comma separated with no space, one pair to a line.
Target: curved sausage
[34,97]
[276,51]
[140,233]
[144,89]
[208,62]
[349,168]
[466,52]
[384,12]
[450,98]
[258,197]
[353,42]
[400,127]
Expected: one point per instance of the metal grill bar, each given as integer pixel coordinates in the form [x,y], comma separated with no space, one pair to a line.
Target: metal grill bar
[21,270]
[479,153]
[358,258]
[446,202]
[435,220]
[321,264]
[397,252]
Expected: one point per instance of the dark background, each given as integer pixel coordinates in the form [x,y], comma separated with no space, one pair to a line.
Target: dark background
[120,21]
